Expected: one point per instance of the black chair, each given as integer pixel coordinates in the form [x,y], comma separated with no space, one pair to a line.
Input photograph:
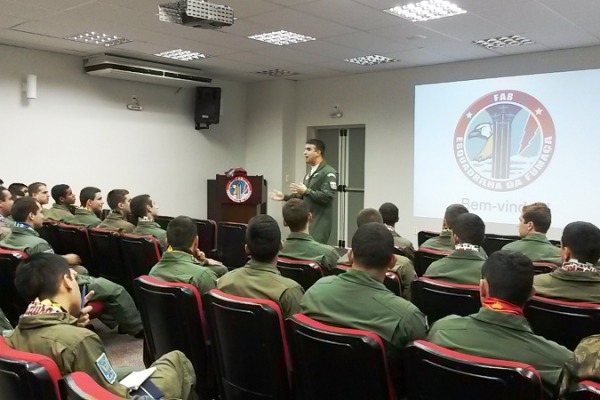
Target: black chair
[173,319]
[423,236]
[104,214]
[543,267]
[584,390]
[109,260]
[434,373]
[49,232]
[305,272]
[230,244]
[250,348]
[140,252]
[163,221]
[493,243]
[331,363]
[391,280]
[564,322]
[424,258]
[80,386]
[11,301]
[207,236]
[437,299]
[74,239]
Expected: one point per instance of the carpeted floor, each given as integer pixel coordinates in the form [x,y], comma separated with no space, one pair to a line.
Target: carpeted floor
[124,351]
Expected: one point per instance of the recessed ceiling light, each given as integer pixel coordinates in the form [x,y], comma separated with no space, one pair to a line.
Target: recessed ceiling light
[277,72]
[426,10]
[182,55]
[371,60]
[504,41]
[282,38]
[101,39]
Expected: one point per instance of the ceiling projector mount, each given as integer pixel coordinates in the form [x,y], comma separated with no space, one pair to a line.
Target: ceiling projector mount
[196,13]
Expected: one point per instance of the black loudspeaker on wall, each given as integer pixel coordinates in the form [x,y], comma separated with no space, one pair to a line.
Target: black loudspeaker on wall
[208,106]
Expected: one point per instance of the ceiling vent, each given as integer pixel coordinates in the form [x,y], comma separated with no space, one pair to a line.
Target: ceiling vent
[132,69]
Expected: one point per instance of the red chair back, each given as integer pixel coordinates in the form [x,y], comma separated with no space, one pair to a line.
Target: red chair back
[11,301]
[74,239]
[423,236]
[493,243]
[424,257]
[140,252]
[584,390]
[230,244]
[437,299]
[81,386]
[49,232]
[108,257]
[305,272]
[207,236]
[543,267]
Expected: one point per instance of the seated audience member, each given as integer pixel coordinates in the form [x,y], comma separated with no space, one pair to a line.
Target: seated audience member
[577,279]
[180,263]
[6,203]
[145,210]
[443,242]
[583,365]
[389,213]
[358,299]
[119,202]
[499,330]
[259,278]
[18,190]
[119,308]
[4,323]
[91,207]
[533,224]
[53,325]
[64,198]
[402,266]
[299,244]
[464,264]
[39,191]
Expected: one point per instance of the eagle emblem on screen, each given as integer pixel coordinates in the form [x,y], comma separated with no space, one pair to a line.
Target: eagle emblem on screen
[504,140]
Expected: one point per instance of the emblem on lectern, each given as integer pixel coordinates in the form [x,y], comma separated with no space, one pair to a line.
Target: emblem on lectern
[239,189]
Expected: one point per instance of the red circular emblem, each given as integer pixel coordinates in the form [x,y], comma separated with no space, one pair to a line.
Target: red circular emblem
[239,189]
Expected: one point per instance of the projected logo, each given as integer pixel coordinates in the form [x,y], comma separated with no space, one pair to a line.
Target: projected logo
[504,140]
[239,189]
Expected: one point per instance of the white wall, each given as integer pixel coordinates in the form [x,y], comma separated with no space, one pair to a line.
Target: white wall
[78,131]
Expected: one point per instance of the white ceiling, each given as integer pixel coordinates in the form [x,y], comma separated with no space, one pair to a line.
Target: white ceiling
[343,29]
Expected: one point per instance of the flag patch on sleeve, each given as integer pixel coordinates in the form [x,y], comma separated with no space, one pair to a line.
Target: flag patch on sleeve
[106,369]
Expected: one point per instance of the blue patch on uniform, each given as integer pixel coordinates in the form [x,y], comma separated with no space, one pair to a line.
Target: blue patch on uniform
[106,369]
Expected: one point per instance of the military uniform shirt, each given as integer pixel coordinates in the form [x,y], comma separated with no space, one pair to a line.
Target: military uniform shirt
[149,227]
[355,299]
[115,221]
[301,246]
[83,217]
[402,243]
[5,225]
[178,266]
[537,247]
[568,285]
[57,212]
[261,280]
[460,266]
[26,239]
[584,365]
[502,336]
[443,242]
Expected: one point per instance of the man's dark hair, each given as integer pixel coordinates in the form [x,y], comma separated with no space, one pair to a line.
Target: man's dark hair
[139,205]
[181,233]
[263,238]
[469,228]
[452,212]
[39,276]
[17,189]
[88,193]
[319,145]
[115,197]
[22,207]
[59,191]
[35,187]
[368,215]
[295,214]
[373,245]
[539,214]
[389,213]
[2,196]
[583,239]
[509,275]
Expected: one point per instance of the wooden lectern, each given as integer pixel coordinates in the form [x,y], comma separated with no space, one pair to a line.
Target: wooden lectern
[237,199]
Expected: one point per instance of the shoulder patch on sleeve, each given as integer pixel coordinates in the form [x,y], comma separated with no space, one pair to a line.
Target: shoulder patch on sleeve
[331,174]
[106,369]
[333,185]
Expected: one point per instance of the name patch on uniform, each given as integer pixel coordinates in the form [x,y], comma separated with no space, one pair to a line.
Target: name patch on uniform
[106,369]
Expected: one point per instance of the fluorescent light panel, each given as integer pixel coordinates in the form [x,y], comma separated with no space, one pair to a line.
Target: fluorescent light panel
[182,55]
[282,38]
[371,60]
[504,41]
[426,10]
[101,39]
[277,72]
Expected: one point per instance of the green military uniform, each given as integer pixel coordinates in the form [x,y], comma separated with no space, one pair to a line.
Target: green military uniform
[146,226]
[573,281]
[5,225]
[178,266]
[83,217]
[4,323]
[355,299]
[301,246]
[402,243]
[57,336]
[57,212]
[584,365]
[462,266]
[115,221]
[443,242]
[261,280]
[118,304]
[537,247]
[503,336]
[320,190]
